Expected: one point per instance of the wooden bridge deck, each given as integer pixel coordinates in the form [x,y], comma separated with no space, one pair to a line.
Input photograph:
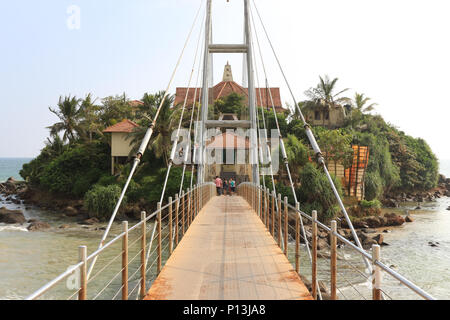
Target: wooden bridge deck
[227,254]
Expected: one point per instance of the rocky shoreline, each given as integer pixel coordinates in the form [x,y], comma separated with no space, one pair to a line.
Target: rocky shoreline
[18,192]
[370,226]
[442,190]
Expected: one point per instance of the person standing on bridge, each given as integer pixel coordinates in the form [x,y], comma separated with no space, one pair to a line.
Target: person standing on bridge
[225,187]
[218,183]
[232,186]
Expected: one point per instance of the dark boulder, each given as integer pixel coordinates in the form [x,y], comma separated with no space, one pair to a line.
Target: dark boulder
[433,244]
[390,203]
[38,225]
[89,222]
[373,222]
[394,219]
[368,242]
[379,238]
[71,211]
[11,216]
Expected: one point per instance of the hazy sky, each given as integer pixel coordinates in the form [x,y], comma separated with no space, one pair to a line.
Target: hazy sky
[397,52]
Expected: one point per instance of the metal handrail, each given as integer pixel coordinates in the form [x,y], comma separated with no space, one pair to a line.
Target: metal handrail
[404,281]
[44,289]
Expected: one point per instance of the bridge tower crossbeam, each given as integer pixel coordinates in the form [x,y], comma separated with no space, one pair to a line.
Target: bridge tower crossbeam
[210,49]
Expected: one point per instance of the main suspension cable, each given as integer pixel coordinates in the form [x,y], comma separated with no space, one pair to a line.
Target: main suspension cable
[313,142]
[144,142]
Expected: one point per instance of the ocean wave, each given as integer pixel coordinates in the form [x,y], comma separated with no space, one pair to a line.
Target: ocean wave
[13,228]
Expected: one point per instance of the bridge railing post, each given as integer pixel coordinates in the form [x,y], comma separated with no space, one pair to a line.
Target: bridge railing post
[198,202]
[286,231]
[125,261]
[273,213]
[314,256]
[260,201]
[279,229]
[158,217]
[193,204]
[188,207]
[177,213]
[297,238]
[267,208]
[170,225]
[376,273]
[143,247]
[82,256]
[333,260]
[183,207]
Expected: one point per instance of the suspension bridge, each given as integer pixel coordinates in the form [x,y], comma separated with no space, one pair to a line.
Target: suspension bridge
[251,245]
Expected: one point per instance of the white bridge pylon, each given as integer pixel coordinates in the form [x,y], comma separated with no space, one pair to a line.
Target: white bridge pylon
[209,50]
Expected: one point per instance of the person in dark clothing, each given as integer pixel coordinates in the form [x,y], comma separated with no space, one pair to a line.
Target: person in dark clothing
[225,186]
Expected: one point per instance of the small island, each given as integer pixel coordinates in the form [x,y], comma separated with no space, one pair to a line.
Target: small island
[82,168]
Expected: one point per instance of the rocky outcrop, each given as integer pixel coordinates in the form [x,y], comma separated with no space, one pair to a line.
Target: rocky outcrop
[442,190]
[393,219]
[38,225]
[11,216]
[71,211]
[12,187]
[389,219]
[89,222]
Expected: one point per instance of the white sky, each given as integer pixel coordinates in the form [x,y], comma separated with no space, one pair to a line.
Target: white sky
[396,52]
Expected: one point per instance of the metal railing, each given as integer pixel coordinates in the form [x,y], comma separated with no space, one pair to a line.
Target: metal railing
[282,220]
[132,260]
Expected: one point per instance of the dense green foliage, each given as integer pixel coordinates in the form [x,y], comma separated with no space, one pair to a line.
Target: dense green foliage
[101,200]
[76,158]
[315,192]
[370,204]
[233,103]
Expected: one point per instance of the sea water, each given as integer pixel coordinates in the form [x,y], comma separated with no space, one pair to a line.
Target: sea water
[28,260]
[10,167]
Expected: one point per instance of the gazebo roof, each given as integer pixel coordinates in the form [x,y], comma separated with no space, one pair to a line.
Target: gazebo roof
[126,126]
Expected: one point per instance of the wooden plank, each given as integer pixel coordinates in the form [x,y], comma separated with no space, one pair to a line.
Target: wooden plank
[228,254]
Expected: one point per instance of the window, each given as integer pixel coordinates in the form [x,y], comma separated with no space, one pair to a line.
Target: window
[327,115]
[317,115]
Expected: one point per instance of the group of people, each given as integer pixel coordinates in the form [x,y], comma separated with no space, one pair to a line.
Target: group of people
[224,186]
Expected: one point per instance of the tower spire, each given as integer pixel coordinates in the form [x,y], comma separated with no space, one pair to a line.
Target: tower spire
[227,73]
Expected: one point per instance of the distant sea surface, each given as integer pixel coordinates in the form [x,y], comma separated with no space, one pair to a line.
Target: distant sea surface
[10,167]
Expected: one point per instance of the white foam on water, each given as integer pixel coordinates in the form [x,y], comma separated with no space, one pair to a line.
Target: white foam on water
[13,228]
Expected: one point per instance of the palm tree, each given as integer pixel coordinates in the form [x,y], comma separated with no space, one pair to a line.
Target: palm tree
[54,146]
[89,113]
[323,96]
[360,103]
[68,112]
[161,142]
[325,91]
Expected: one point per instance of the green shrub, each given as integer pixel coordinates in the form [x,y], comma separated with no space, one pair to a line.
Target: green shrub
[370,204]
[101,201]
[74,171]
[316,193]
[373,186]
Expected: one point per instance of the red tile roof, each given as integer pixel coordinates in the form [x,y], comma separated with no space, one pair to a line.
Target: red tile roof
[225,88]
[135,103]
[228,140]
[126,126]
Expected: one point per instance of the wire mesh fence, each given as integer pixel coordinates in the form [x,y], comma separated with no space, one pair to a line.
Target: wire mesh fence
[330,269]
[128,264]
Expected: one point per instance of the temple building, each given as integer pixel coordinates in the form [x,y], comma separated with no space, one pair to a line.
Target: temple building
[228,86]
